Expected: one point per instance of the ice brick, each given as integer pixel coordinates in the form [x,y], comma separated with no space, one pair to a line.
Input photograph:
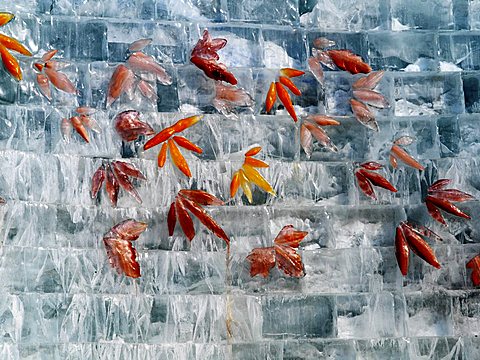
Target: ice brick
[264,11]
[429,14]
[343,15]
[298,316]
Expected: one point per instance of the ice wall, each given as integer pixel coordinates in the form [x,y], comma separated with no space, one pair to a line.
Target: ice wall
[59,298]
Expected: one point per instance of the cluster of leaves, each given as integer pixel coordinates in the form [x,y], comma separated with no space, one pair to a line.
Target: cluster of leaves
[192,200]
[115,175]
[136,74]
[129,126]
[47,72]
[278,88]
[283,254]
[168,135]
[365,96]
[248,175]
[440,198]
[310,129]
[8,43]
[204,56]
[367,178]
[79,122]
[411,237]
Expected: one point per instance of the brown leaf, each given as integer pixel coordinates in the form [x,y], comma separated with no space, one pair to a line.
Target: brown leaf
[121,254]
[262,261]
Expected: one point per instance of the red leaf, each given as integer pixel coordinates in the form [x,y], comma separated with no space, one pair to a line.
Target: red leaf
[171,219]
[474,264]
[205,219]
[289,261]
[125,182]
[447,206]
[439,184]
[377,180]
[129,229]
[402,252]
[262,261]
[365,185]
[420,247]
[201,197]
[129,169]
[184,219]
[97,181]
[371,165]
[452,195]
[435,213]
[346,60]
[214,70]
[112,186]
[369,82]
[290,237]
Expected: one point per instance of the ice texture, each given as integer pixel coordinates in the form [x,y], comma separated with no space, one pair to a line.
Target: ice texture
[60,298]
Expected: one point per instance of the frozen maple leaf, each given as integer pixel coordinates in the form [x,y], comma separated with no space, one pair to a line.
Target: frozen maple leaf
[48,73]
[7,43]
[190,202]
[115,174]
[170,142]
[440,198]
[367,178]
[204,56]
[310,128]
[410,237]
[248,175]
[80,122]
[118,244]
[129,126]
[283,254]
[398,153]
[279,89]
[136,74]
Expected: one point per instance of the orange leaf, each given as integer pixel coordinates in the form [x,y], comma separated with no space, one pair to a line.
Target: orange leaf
[5,18]
[10,63]
[162,155]
[253,151]
[255,162]
[13,44]
[286,100]
[187,144]
[178,158]
[289,84]
[271,98]
[291,72]
[234,184]
[346,60]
